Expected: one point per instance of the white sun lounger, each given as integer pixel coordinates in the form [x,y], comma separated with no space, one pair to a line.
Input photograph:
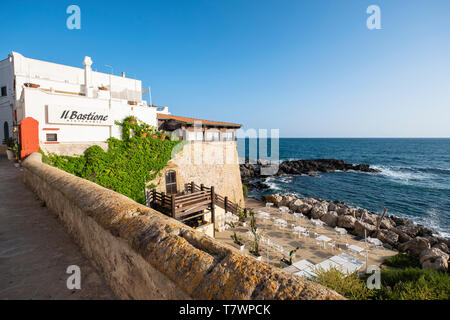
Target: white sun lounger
[327,265]
[339,259]
[303,264]
[306,273]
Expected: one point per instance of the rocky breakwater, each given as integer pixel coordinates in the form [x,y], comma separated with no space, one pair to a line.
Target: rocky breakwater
[396,233]
[311,167]
[251,173]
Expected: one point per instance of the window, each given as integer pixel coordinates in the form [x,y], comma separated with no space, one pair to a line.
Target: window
[6,130]
[4,92]
[171,182]
[52,137]
[227,136]
[212,135]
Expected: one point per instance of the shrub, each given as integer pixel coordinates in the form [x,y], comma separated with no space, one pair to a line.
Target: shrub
[396,284]
[350,286]
[9,142]
[245,190]
[414,284]
[402,260]
[127,166]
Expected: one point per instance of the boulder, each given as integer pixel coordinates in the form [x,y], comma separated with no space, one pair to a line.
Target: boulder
[433,240]
[399,221]
[415,246]
[388,236]
[445,241]
[442,246]
[332,207]
[305,209]
[342,211]
[370,218]
[353,213]
[318,210]
[347,222]
[425,232]
[330,218]
[361,226]
[387,223]
[439,264]
[410,229]
[294,205]
[274,198]
[310,201]
[286,200]
[402,237]
[431,254]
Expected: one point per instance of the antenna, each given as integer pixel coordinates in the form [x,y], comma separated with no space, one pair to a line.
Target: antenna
[150,96]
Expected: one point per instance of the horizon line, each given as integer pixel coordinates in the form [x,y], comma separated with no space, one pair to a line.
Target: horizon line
[355,137]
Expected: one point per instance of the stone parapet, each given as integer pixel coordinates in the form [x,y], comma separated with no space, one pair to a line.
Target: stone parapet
[143,254]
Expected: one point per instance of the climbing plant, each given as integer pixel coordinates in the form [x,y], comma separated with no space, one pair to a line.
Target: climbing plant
[128,165]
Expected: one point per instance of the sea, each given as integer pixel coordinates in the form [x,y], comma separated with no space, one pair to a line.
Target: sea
[414,181]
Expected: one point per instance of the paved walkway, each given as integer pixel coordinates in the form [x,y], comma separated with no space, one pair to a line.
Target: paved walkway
[35,249]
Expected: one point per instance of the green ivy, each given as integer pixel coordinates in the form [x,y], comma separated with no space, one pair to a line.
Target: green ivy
[128,165]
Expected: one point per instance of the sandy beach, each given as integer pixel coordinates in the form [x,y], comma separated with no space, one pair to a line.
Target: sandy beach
[308,246]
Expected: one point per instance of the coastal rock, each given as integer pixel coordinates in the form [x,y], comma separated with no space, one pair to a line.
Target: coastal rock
[388,236]
[341,211]
[361,226]
[402,237]
[441,246]
[294,205]
[310,201]
[318,210]
[305,209]
[439,264]
[425,232]
[359,212]
[370,218]
[410,229]
[286,200]
[432,254]
[445,241]
[332,207]
[399,221]
[415,246]
[320,165]
[433,240]
[258,185]
[347,222]
[274,198]
[248,171]
[330,218]
[387,223]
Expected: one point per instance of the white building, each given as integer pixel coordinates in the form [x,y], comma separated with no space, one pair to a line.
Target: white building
[75,107]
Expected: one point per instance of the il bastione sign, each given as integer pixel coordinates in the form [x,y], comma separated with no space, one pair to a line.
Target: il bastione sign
[76,115]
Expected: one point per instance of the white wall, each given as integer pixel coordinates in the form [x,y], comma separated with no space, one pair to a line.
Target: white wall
[35,104]
[56,78]
[6,111]
[67,78]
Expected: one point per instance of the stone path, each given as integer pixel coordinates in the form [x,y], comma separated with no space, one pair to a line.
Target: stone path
[35,249]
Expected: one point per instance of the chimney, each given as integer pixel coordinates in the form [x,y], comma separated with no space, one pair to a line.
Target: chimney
[123,74]
[87,62]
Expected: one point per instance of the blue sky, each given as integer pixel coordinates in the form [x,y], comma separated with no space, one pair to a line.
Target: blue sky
[309,68]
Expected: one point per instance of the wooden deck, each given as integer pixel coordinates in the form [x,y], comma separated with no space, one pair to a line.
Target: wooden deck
[194,202]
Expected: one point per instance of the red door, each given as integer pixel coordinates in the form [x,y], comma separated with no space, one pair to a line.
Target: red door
[29,136]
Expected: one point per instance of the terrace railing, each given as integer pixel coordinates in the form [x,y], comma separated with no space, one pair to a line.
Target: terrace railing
[222,202]
[191,203]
